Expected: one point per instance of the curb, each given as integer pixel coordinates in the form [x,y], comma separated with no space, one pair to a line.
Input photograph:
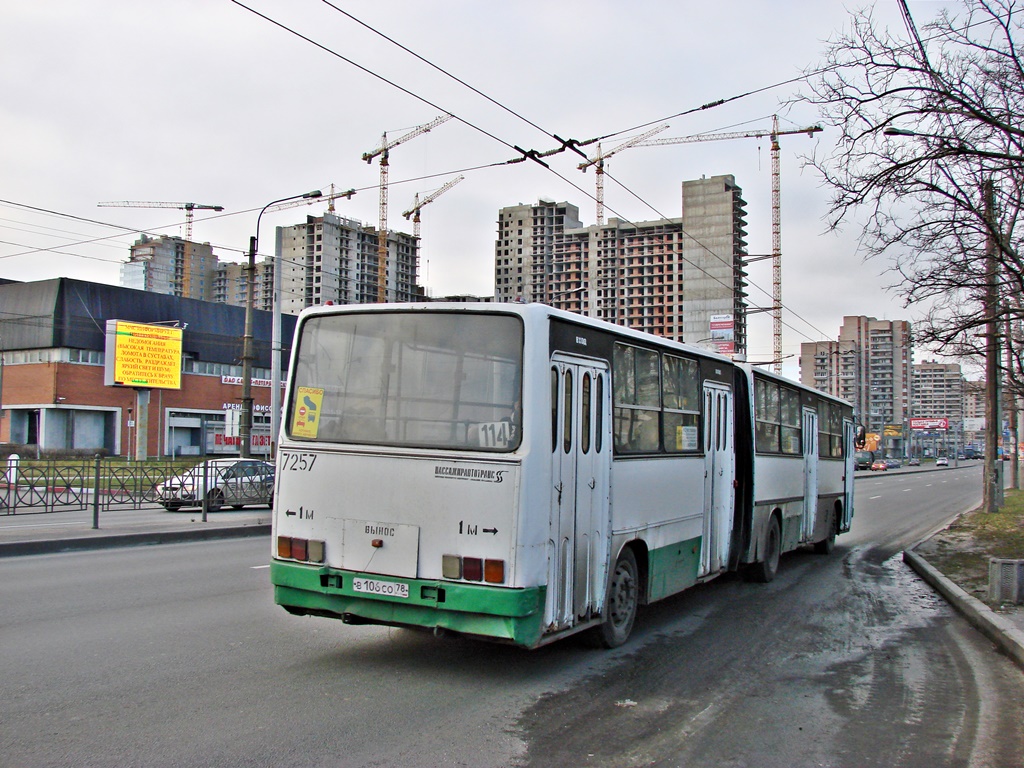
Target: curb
[1007,637]
[81,544]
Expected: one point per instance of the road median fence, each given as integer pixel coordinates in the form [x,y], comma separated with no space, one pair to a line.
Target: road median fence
[57,485]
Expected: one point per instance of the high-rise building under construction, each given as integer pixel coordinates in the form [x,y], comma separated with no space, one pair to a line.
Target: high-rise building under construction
[671,277]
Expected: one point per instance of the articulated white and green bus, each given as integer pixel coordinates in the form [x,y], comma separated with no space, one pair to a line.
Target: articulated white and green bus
[519,473]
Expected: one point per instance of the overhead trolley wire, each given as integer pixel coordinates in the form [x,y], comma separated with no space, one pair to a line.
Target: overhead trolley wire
[575,145]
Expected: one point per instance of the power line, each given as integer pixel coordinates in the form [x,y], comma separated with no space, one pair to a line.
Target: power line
[370,72]
[525,154]
[566,144]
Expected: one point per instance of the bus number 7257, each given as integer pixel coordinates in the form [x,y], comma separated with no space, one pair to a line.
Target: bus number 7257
[297,462]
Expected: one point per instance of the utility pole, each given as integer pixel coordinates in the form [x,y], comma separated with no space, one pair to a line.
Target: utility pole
[992,493]
[1012,413]
[245,423]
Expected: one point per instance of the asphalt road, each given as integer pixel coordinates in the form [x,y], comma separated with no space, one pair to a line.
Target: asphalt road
[176,656]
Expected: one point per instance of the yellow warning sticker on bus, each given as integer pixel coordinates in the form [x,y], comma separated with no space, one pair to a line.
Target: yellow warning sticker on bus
[306,411]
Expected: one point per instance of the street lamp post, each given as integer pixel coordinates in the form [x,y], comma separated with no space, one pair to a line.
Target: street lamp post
[246,421]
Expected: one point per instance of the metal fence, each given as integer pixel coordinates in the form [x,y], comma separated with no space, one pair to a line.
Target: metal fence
[52,485]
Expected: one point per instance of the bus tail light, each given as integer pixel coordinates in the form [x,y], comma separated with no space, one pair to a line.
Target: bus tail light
[473,569]
[494,571]
[307,550]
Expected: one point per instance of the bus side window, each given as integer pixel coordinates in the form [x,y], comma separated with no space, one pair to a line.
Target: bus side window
[791,429]
[680,395]
[767,417]
[636,391]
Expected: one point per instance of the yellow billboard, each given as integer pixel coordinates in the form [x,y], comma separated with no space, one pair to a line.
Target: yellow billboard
[142,355]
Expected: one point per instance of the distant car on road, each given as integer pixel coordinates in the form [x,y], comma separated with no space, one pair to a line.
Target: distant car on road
[893,463]
[234,482]
[915,462]
[942,461]
[880,466]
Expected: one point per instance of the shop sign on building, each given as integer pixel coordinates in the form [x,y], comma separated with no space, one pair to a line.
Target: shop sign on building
[239,381]
[217,441]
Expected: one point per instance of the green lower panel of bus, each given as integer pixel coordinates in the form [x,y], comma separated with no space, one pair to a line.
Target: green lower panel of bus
[673,568]
[514,615]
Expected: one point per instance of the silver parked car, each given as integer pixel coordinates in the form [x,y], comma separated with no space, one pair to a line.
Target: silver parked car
[233,482]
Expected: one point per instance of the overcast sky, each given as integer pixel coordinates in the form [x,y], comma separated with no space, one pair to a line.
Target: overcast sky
[204,101]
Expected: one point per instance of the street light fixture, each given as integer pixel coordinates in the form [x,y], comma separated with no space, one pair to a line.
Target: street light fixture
[245,423]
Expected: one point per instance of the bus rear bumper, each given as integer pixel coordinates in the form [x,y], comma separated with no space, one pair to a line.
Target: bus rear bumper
[496,613]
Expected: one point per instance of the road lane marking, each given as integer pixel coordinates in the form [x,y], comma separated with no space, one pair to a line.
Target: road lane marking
[872,498]
[259,567]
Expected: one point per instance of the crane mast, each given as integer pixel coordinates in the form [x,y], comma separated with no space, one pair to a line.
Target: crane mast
[382,232]
[598,162]
[776,251]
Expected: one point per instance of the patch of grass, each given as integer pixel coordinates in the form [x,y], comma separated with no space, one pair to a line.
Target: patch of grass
[962,551]
[1000,533]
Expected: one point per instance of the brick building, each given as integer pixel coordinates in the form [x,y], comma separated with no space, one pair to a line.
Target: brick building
[52,392]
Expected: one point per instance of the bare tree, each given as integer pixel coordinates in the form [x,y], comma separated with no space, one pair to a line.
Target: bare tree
[926,124]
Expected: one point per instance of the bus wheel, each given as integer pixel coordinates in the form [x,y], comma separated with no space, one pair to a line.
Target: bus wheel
[621,602]
[826,545]
[764,570]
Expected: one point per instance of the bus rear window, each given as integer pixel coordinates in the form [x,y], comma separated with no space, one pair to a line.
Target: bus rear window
[418,379]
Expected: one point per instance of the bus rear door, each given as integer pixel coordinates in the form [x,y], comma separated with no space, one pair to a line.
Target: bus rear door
[719,474]
[810,447]
[581,467]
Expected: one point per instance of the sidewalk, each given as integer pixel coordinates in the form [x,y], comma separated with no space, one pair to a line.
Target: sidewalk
[34,533]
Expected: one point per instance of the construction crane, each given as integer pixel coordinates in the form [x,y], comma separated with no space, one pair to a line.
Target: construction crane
[418,204]
[776,254]
[382,234]
[189,208]
[598,162]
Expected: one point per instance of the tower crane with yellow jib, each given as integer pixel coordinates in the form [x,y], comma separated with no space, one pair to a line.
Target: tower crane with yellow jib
[382,234]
